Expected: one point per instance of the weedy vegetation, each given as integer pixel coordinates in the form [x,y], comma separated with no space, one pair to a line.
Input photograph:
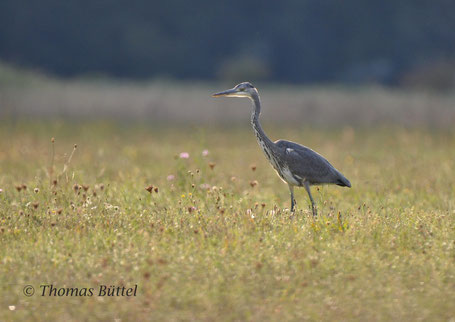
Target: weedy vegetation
[198,220]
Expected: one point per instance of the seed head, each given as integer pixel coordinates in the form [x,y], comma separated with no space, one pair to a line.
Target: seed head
[149,188]
[212,165]
[36,190]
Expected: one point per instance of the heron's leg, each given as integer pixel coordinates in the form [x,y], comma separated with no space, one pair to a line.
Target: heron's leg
[291,189]
[313,204]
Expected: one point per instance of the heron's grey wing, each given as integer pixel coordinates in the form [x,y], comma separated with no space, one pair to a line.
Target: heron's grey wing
[309,165]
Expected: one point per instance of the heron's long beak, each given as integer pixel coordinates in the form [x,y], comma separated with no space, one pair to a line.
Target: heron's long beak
[225,93]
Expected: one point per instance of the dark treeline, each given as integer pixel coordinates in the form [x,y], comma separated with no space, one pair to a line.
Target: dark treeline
[290,40]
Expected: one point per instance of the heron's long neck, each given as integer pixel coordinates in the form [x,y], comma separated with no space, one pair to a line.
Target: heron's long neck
[260,135]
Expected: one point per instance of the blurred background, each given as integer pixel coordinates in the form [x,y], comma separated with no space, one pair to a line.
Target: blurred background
[322,62]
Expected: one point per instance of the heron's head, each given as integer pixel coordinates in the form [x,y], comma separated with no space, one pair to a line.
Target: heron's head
[244,89]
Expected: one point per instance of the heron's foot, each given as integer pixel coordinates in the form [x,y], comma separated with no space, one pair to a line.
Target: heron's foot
[292,214]
[315,212]
[293,205]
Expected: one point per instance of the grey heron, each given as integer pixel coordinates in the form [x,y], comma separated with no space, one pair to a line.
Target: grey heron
[296,164]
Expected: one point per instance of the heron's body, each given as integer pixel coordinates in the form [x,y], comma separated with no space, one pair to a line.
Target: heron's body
[296,164]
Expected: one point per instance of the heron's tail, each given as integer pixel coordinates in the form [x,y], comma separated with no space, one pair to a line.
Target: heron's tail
[342,181]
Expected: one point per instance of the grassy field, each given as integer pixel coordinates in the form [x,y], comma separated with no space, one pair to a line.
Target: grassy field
[184,103]
[216,241]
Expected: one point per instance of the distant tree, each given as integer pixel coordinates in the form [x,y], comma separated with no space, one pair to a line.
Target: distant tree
[290,40]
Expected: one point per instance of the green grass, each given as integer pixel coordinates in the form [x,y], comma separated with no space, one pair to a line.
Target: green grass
[383,250]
